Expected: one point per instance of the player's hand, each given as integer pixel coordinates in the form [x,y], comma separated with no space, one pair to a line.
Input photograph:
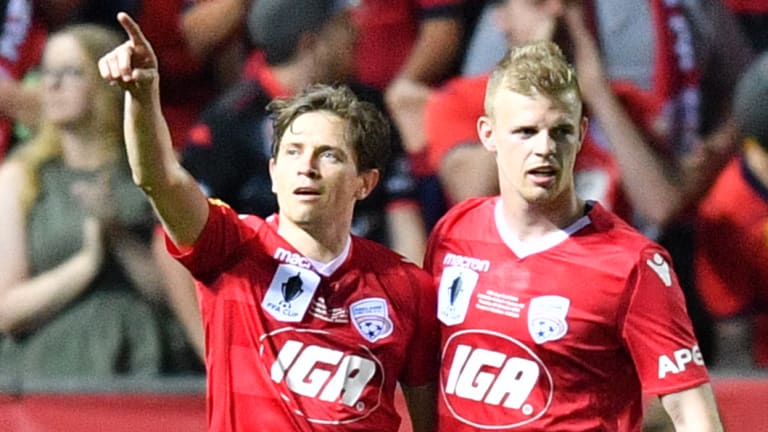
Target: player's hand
[133,64]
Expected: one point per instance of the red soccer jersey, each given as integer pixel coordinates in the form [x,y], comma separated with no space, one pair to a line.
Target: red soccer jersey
[732,251]
[564,337]
[290,350]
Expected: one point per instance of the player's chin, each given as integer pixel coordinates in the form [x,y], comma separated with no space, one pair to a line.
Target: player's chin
[542,195]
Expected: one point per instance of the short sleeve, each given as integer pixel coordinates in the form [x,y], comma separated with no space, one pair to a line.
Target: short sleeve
[217,246]
[657,329]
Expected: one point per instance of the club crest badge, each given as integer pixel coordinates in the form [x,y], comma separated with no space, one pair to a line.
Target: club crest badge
[546,318]
[455,293]
[371,318]
[290,292]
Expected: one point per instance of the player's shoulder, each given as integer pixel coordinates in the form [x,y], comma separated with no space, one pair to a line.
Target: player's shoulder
[612,233]
[375,254]
[252,221]
[375,257]
[468,213]
[220,213]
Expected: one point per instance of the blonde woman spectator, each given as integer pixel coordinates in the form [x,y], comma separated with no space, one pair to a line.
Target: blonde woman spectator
[75,266]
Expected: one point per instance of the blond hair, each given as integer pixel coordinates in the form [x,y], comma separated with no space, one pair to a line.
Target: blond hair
[537,67]
[106,111]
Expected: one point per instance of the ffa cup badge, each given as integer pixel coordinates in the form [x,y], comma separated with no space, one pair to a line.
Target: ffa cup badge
[371,318]
[290,292]
[455,292]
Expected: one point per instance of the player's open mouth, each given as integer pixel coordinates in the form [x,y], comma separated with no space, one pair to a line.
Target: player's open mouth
[306,191]
[543,171]
[543,175]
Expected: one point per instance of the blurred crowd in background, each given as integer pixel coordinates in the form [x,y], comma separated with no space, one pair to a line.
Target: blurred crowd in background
[87,289]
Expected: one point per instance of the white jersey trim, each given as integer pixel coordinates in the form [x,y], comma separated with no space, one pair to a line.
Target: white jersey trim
[327,269]
[523,249]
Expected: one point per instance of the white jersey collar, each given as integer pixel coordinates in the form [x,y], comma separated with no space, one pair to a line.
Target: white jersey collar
[523,249]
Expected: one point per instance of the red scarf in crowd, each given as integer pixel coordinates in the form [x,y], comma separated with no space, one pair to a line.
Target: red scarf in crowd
[668,112]
[747,6]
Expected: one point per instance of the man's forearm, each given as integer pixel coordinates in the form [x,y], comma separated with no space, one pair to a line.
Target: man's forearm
[651,184]
[693,410]
[434,52]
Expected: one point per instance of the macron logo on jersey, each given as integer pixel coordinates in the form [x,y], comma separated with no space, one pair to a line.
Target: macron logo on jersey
[453,260]
[661,267]
[678,362]
[289,257]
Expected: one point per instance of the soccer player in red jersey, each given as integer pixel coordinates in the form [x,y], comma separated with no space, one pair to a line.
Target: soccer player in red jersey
[307,327]
[556,315]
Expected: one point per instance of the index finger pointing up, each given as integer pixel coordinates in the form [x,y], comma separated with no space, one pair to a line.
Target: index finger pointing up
[132,29]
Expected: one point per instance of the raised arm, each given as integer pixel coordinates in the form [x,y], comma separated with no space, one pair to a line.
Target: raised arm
[658,187]
[178,201]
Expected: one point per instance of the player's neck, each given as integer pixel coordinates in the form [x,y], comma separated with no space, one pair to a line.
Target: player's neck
[320,242]
[534,221]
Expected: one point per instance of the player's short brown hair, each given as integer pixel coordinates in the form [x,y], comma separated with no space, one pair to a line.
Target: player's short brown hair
[367,130]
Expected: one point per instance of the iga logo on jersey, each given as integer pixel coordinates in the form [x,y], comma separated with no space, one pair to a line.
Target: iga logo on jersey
[492,381]
[314,375]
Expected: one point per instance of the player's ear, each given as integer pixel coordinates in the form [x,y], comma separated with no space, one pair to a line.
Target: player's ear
[271,173]
[485,132]
[369,180]
[583,128]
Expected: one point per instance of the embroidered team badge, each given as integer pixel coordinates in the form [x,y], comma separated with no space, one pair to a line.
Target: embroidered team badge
[371,318]
[290,293]
[546,318]
[455,293]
